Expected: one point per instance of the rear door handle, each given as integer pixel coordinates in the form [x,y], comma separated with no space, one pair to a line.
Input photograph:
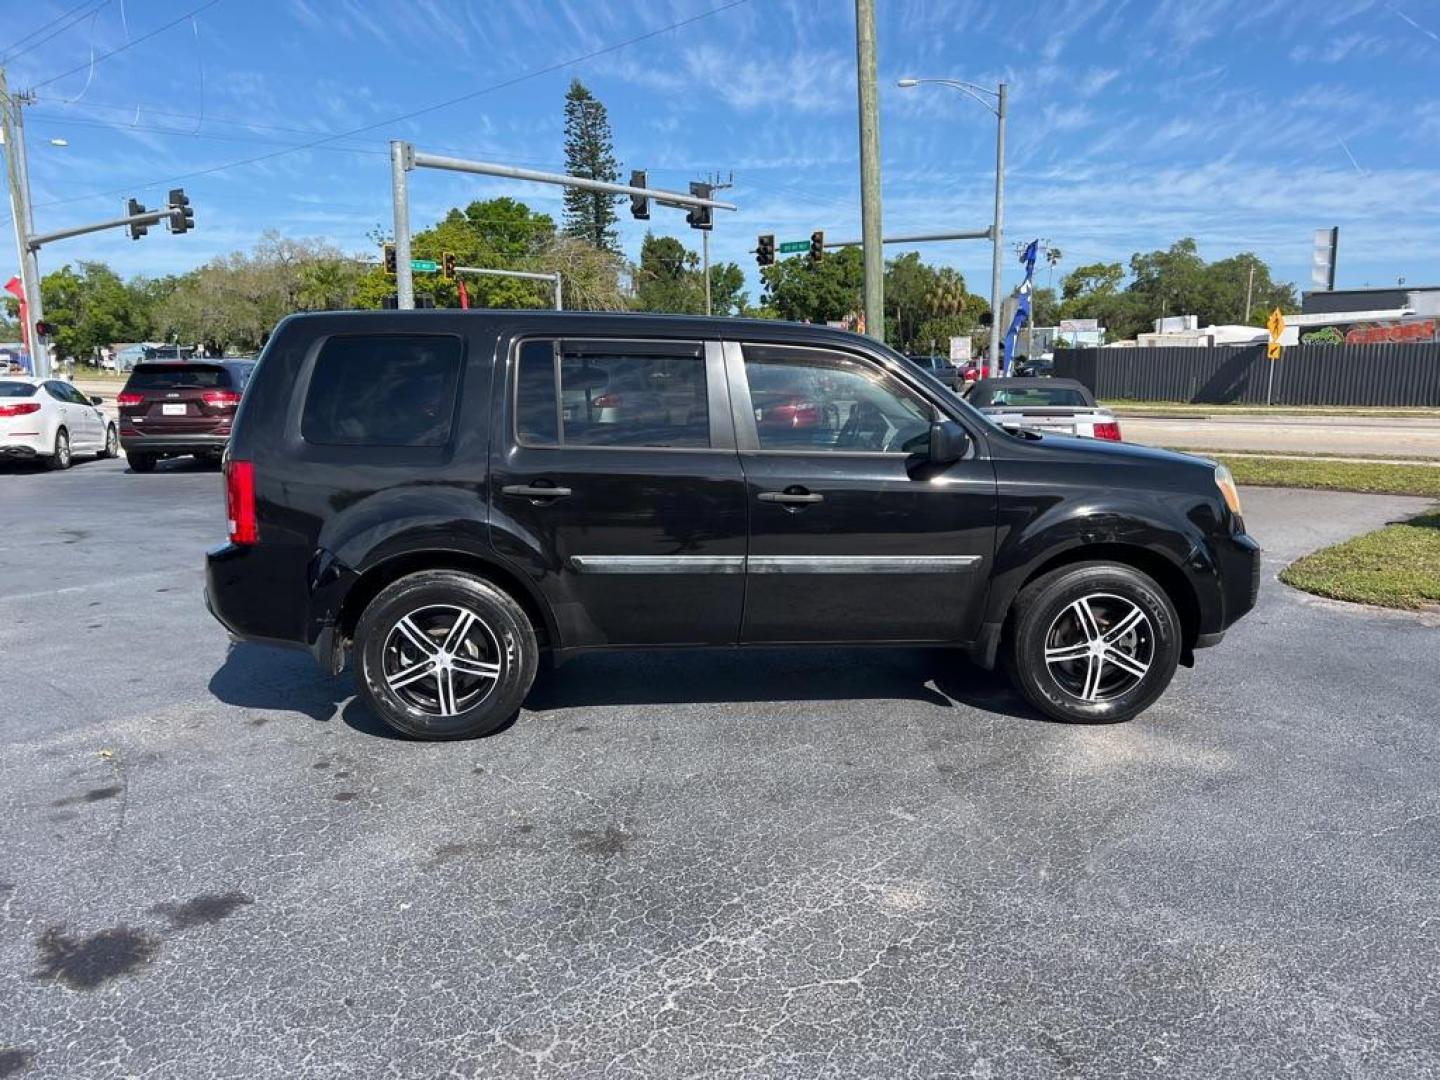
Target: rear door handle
[535,491]
[796,497]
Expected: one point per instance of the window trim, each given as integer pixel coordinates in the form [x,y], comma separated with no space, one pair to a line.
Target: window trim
[311,363]
[722,433]
[747,435]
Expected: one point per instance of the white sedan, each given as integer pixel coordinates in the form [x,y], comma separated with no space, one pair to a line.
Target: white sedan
[50,420]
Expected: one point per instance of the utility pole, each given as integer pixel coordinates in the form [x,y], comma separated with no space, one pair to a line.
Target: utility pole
[715,185]
[870,226]
[997,229]
[1249,287]
[12,128]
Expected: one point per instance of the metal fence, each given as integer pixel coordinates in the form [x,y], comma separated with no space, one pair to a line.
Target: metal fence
[1392,375]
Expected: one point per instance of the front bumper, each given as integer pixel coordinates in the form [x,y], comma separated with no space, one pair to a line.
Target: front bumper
[1238,559]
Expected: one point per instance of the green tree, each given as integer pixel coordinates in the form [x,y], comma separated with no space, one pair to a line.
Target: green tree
[668,277]
[90,308]
[727,290]
[589,152]
[798,291]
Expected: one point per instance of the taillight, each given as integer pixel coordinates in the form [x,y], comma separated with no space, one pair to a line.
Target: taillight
[129,397]
[224,398]
[1108,430]
[240,502]
[23,409]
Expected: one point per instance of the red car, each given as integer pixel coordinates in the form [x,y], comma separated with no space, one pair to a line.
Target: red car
[169,408]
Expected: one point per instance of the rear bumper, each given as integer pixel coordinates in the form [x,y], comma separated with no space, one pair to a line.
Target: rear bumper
[134,442]
[25,446]
[266,594]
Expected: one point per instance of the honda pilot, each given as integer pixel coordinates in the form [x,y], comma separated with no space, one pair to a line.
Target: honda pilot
[446,496]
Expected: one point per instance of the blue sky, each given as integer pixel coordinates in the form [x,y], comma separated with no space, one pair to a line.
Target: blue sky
[1245,123]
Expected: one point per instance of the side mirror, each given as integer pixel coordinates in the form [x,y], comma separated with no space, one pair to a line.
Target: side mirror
[948,442]
[97,400]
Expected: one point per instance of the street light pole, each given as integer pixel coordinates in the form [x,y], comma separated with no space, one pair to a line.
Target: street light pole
[997,229]
[997,239]
[870,227]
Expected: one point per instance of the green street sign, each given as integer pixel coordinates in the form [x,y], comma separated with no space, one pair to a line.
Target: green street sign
[428,266]
[790,247]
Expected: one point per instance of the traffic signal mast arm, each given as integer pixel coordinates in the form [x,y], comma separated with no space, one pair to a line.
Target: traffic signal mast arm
[147,217]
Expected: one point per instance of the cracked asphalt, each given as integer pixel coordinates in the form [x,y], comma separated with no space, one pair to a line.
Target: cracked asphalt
[840,863]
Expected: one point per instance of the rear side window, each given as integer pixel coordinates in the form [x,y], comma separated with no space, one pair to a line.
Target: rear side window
[16,389]
[178,376]
[635,394]
[383,390]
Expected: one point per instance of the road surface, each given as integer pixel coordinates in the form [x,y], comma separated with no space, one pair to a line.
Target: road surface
[1341,436]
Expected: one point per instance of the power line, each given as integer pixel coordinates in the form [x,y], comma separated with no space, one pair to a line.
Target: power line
[128,45]
[504,84]
[14,50]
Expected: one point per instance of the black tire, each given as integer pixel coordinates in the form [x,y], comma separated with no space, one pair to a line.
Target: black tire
[141,462]
[500,637]
[1051,614]
[61,458]
[112,443]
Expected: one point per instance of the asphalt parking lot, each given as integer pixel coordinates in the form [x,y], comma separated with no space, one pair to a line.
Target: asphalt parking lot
[831,864]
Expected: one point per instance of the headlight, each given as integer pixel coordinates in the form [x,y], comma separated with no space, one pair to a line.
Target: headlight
[1226,483]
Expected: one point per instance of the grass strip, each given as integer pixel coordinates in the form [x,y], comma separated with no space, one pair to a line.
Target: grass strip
[1397,567]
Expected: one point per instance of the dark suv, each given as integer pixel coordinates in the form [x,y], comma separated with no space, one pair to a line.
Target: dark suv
[174,407]
[448,495]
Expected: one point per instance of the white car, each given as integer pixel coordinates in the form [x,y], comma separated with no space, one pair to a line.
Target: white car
[50,420]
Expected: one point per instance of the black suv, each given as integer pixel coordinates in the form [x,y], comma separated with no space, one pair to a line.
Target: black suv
[451,494]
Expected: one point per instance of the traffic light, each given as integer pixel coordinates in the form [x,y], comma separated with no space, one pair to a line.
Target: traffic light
[44,329]
[765,250]
[639,204]
[987,319]
[447,265]
[699,216]
[136,229]
[390,259]
[182,214]
[817,247]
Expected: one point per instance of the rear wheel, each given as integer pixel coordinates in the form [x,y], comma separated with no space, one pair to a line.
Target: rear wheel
[60,458]
[443,655]
[1093,643]
[141,462]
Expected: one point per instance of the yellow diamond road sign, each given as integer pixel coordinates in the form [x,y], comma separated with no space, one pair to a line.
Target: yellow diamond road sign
[1276,325]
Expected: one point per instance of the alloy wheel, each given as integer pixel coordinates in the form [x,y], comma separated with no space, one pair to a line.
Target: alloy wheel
[1100,647]
[441,660]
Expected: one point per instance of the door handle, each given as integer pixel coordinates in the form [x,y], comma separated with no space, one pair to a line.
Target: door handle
[791,497]
[535,491]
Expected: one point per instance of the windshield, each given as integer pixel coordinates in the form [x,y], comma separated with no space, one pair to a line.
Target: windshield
[16,389]
[1038,396]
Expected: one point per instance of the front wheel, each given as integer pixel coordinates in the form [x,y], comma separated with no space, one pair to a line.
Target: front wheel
[1093,643]
[112,443]
[443,655]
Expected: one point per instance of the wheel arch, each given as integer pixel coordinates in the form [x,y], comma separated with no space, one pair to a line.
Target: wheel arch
[1163,571]
[373,579]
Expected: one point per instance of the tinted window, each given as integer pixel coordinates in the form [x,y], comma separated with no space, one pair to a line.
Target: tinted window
[178,376]
[383,390]
[814,400]
[633,394]
[239,373]
[59,391]
[16,389]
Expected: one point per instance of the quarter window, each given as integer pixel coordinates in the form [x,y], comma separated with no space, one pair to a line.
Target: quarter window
[612,393]
[808,399]
[383,390]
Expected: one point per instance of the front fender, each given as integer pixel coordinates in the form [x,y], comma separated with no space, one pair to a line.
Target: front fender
[1146,527]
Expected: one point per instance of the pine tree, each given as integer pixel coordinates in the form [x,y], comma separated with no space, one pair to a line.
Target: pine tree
[589,152]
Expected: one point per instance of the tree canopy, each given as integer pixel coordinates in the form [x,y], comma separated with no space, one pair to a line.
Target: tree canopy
[589,152]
